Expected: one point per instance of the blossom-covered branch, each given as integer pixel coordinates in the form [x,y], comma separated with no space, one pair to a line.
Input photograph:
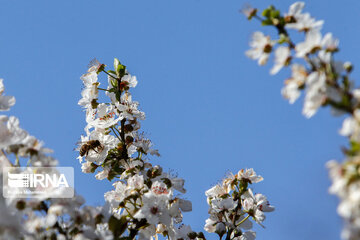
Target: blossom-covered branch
[43,217]
[144,200]
[233,205]
[326,82]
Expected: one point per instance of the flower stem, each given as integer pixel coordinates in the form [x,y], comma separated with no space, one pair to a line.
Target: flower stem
[246,218]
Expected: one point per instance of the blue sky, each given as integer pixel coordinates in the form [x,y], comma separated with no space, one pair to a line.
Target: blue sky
[209,109]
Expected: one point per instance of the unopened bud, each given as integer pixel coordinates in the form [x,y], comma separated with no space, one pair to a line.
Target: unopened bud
[220,229]
[248,11]
[348,66]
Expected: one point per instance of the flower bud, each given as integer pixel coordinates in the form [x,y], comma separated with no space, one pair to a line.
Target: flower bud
[220,229]
[348,66]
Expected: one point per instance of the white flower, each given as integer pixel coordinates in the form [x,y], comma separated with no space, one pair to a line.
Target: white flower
[303,21]
[182,232]
[131,149]
[147,233]
[103,174]
[99,154]
[136,182]
[144,145]
[89,78]
[296,9]
[94,66]
[322,57]
[31,144]
[315,93]
[248,11]
[291,89]
[249,175]
[185,205]
[10,219]
[129,110]
[131,168]
[330,43]
[220,204]
[86,167]
[116,196]
[257,204]
[89,94]
[129,80]
[10,132]
[210,225]
[314,41]
[311,43]
[348,127]
[154,209]
[339,182]
[282,58]
[350,231]
[215,191]
[106,117]
[160,188]
[261,47]
[5,101]
[249,235]
[178,184]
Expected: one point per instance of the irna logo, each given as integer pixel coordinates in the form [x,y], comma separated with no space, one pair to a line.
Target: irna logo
[44,180]
[47,182]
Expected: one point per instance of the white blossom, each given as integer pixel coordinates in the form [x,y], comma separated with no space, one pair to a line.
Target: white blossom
[291,89]
[249,175]
[261,48]
[5,101]
[303,21]
[282,57]
[154,209]
[312,42]
[315,93]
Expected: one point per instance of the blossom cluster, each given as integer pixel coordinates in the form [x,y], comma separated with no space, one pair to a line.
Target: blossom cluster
[233,205]
[145,200]
[325,82]
[42,217]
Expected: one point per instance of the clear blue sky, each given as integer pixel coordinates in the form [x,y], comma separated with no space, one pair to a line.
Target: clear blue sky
[209,109]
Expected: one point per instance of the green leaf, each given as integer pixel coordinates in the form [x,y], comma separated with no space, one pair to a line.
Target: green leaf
[267,22]
[116,63]
[266,12]
[117,226]
[275,14]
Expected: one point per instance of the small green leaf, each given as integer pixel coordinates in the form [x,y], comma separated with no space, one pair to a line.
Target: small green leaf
[116,63]
[275,14]
[267,22]
[117,226]
[266,12]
